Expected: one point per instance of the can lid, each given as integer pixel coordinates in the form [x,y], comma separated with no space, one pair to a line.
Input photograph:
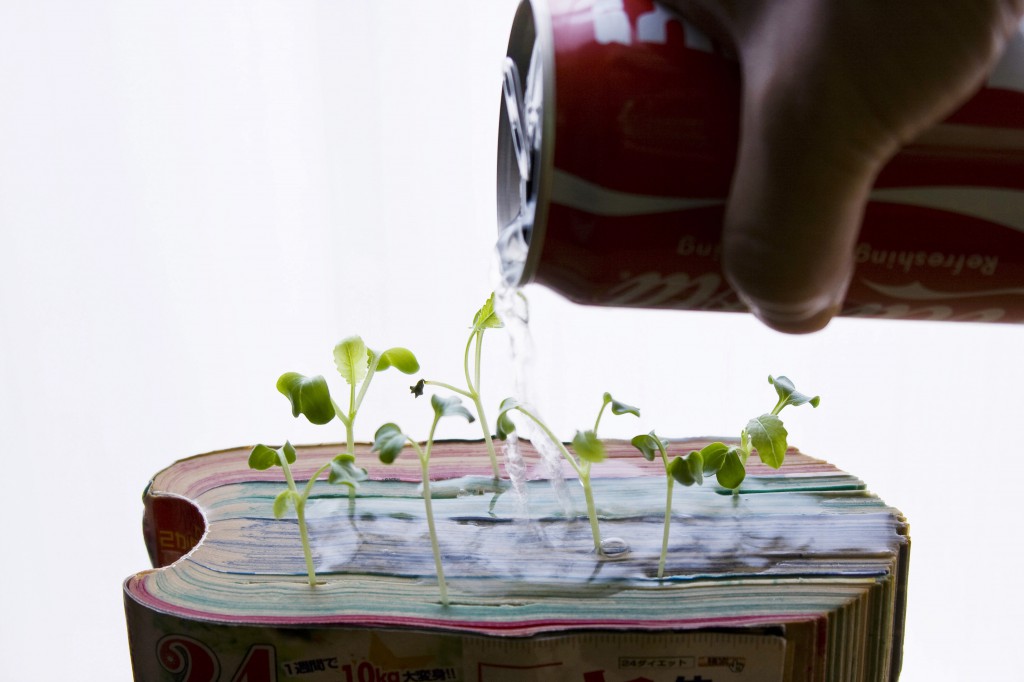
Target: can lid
[525,142]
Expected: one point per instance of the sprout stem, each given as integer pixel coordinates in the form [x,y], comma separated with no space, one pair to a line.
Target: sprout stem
[475,390]
[300,513]
[551,436]
[357,401]
[476,360]
[600,412]
[454,389]
[668,507]
[312,480]
[428,506]
[350,438]
[465,361]
[664,532]
[424,455]
[595,528]
[488,439]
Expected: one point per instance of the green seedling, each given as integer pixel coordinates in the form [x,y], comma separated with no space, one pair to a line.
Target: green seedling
[357,365]
[727,463]
[310,397]
[766,434]
[343,471]
[389,441]
[588,447]
[687,470]
[485,318]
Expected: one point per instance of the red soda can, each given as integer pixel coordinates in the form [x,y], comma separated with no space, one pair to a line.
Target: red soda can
[617,139]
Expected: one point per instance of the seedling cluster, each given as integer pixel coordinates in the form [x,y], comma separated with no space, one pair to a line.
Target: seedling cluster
[357,365]
[728,463]
[389,441]
[311,398]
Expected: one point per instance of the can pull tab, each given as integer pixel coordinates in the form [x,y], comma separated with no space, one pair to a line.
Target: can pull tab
[512,89]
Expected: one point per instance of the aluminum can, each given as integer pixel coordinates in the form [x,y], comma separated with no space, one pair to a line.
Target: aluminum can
[617,139]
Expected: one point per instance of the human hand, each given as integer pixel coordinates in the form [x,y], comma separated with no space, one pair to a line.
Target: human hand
[832,89]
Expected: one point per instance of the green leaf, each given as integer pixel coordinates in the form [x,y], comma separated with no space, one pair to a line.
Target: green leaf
[308,396]
[262,458]
[688,470]
[788,395]
[345,472]
[732,472]
[588,446]
[620,408]
[713,455]
[352,359]
[486,318]
[504,426]
[647,444]
[388,442]
[450,406]
[288,450]
[281,503]
[768,436]
[401,359]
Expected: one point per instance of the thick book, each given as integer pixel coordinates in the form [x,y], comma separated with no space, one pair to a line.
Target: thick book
[801,575]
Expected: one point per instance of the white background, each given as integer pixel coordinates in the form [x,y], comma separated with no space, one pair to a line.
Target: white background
[198,196]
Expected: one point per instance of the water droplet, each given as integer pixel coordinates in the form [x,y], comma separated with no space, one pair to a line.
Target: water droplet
[615,548]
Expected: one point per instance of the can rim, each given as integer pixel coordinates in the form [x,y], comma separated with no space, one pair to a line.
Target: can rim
[535,16]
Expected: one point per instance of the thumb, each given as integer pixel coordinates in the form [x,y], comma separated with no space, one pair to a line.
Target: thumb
[792,220]
[808,156]
[831,90]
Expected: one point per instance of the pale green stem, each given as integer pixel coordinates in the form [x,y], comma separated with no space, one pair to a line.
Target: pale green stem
[442,586]
[668,508]
[551,436]
[465,361]
[478,403]
[300,513]
[349,421]
[474,389]
[588,495]
[370,371]
[429,508]
[476,359]
[354,401]
[487,436]
[350,438]
[312,480]
[598,420]
[668,522]
[454,389]
[338,413]
[350,430]
[472,392]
